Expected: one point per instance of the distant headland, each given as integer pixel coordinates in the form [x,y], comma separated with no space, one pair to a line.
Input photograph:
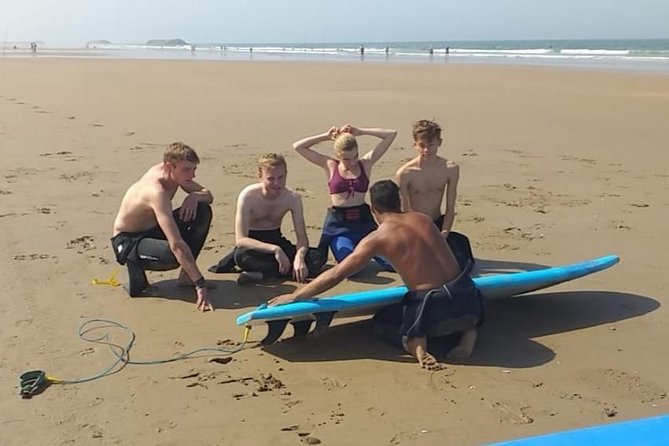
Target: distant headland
[166,42]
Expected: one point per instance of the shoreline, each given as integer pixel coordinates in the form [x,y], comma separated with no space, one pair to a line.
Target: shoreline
[640,65]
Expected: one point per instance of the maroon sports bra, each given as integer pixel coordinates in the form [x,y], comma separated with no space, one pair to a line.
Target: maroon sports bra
[339,184]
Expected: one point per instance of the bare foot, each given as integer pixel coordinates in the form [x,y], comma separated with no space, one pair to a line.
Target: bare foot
[417,348]
[465,347]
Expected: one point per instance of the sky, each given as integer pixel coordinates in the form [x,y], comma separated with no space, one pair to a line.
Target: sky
[306,21]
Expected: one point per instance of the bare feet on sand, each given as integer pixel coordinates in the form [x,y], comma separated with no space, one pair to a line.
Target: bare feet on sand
[465,347]
[417,347]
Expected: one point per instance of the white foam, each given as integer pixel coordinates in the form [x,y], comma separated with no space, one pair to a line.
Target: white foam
[596,52]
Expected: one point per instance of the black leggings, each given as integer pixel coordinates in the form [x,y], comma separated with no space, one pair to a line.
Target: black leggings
[252,260]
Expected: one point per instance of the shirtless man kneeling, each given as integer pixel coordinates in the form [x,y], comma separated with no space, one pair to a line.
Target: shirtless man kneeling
[442,299]
[261,250]
[148,235]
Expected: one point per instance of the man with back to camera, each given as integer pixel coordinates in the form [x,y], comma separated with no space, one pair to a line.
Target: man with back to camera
[442,298]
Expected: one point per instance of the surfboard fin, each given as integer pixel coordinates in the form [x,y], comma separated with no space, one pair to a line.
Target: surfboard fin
[301,328]
[323,321]
[274,331]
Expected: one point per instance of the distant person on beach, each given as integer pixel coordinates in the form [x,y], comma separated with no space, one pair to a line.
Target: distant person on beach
[442,298]
[424,180]
[349,219]
[149,236]
[261,250]
[448,50]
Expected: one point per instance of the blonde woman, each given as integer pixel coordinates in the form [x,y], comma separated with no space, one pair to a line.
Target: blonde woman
[349,219]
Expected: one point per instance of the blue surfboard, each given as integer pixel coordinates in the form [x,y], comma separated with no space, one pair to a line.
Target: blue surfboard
[653,431]
[301,314]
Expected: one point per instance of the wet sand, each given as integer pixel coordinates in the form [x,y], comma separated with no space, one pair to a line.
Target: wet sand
[556,166]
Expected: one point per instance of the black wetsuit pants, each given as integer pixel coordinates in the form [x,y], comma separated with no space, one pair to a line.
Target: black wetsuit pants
[252,260]
[452,308]
[150,250]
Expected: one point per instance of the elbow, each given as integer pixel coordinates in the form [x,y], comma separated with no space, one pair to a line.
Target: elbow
[301,149]
[178,246]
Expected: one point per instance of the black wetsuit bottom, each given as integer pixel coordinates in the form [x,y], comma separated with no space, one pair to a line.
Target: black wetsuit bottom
[436,314]
[248,259]
[150,251]
[459,244]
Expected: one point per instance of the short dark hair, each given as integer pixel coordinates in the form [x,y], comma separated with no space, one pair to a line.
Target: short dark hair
[385,196]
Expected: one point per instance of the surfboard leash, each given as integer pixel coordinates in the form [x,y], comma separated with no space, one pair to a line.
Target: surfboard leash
[34,382]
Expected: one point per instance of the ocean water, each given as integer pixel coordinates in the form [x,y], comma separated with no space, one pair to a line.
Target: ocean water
[643,55]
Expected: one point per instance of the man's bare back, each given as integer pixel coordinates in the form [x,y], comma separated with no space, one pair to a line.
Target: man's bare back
[417,250]
[136,213]
[422,184]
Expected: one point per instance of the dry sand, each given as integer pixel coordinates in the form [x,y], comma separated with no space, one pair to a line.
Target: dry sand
[557,166]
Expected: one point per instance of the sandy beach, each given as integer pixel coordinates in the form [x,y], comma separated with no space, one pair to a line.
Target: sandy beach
[557,166]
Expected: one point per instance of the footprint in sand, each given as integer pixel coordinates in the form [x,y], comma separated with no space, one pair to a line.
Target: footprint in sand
[624,385]
[84,243]
[88,176]
[640,205]
[333,384]
[5,192]
[33,257]
[511,414]
[618,224]
[96,125]
[59,153]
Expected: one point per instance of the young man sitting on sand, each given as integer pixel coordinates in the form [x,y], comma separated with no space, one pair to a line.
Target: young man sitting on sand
[442,299]
[261,250]
[424,180]
[148,235]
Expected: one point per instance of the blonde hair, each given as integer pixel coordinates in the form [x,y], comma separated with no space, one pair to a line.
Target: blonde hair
[271,160]
[178,151]
[345,142]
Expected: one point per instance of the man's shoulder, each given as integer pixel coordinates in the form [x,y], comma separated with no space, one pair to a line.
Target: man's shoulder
[408,168]
[250,190]
[150,188]
[450,164]
[294,196]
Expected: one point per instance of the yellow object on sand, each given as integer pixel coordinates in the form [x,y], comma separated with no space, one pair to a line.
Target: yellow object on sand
[111,281]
